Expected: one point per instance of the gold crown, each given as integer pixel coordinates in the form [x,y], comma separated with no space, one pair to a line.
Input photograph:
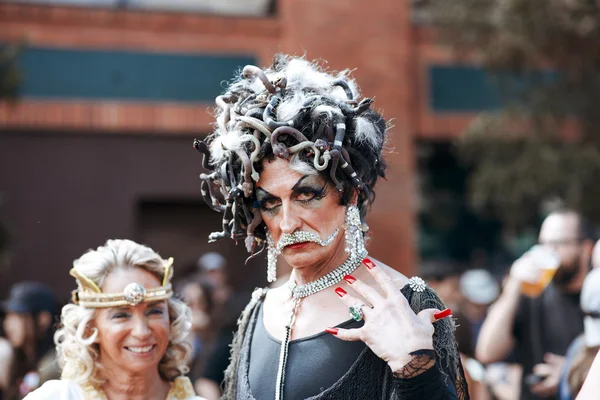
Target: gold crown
[91,296]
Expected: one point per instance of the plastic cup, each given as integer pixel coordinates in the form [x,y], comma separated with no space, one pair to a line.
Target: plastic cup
[548,261]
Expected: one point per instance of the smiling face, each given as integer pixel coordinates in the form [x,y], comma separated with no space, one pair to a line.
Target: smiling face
[132,339]
[290,202]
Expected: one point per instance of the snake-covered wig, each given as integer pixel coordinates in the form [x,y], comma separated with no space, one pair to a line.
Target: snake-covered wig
[297,111]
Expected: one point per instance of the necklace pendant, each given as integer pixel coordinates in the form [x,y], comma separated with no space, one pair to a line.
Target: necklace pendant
[292,287]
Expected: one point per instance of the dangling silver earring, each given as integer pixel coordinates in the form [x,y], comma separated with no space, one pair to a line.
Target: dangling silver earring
[355,240]
[272,254]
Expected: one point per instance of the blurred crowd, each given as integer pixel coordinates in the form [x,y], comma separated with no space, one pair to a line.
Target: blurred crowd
[531,332]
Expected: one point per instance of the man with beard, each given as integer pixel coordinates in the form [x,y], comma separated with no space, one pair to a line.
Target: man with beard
[537,331]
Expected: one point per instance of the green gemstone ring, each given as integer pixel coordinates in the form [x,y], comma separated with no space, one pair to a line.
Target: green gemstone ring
[356,311]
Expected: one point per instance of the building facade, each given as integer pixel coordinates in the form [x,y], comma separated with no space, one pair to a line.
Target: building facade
[99,143]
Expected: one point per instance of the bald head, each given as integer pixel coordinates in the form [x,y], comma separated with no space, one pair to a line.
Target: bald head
[561,228]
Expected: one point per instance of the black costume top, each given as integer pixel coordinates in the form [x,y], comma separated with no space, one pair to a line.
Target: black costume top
[365,377]
[314,363]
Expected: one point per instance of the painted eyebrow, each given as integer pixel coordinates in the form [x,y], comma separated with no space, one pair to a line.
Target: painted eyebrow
[299,183]
[264,192]
[294,188]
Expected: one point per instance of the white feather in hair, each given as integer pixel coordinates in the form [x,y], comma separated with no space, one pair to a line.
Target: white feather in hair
[290,106]
[301,167]
[224,144]
[367,133]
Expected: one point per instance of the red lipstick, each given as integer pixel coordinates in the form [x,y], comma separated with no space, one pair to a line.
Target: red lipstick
[296,246]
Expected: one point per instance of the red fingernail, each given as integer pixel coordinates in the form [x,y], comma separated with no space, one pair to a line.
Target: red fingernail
[442,314]
[350,279]
[340,292]
[369,264]
[333,331]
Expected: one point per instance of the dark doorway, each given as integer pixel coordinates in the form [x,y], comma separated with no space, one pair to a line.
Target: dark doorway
[180,229]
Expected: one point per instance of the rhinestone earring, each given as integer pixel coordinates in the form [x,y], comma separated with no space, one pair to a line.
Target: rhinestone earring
[355,240]
[272,254]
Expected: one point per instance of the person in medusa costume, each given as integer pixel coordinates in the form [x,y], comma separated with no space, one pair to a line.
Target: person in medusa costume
[292,164]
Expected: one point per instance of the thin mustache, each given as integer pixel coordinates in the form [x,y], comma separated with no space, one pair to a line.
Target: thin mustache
[302,237]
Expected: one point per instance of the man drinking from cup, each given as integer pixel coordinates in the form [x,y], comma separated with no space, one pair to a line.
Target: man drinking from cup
[538,313]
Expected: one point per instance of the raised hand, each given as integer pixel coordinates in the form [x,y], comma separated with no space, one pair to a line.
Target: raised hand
[550,370]
[391,329]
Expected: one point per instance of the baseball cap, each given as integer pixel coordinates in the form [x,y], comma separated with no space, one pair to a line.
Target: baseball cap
[31,298]
[211,261]
[590,304]
[479,286]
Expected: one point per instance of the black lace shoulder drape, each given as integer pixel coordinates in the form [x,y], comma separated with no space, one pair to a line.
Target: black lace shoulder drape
[444,342]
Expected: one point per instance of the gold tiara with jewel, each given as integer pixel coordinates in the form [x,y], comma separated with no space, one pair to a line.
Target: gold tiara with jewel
[91,296]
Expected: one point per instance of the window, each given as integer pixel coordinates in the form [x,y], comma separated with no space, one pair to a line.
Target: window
[420,13]
[448,227]
[251,8]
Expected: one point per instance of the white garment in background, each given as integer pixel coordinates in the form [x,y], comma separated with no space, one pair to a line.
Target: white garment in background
[69,390]
[59,390]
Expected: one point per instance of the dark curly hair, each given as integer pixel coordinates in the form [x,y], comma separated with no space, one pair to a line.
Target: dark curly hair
[297,111]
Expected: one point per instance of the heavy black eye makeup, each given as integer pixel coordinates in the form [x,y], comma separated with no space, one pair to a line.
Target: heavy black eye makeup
[265,201]
[307,189]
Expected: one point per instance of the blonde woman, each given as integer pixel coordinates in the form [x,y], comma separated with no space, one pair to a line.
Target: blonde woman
[124,335]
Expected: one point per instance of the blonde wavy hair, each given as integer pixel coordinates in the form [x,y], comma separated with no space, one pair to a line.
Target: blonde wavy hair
[77,353]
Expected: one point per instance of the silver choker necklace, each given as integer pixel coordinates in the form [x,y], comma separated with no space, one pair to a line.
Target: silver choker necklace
[332,278]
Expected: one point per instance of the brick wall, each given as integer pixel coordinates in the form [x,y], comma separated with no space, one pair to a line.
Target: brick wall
[375,38]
